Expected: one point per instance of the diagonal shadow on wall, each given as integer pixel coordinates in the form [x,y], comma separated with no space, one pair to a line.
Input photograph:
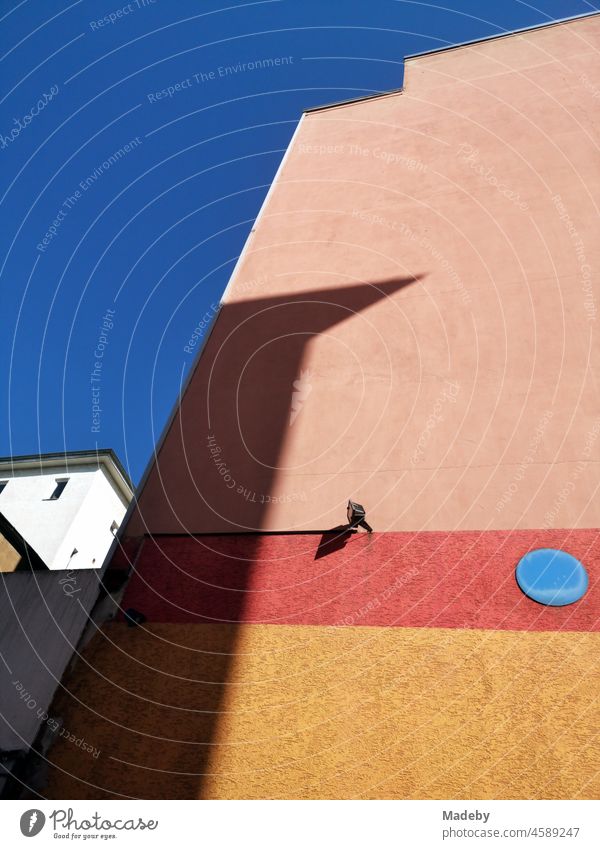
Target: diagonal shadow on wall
[162,687]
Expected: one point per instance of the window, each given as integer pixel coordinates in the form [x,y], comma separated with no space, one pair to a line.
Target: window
[3,486]
[60,485]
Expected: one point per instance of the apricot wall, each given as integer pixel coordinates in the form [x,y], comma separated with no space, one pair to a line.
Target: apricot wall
[429,260]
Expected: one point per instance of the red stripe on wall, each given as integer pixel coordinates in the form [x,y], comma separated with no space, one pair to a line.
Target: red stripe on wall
[449,580]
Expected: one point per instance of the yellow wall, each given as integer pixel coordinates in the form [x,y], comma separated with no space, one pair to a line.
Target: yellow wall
[335,713]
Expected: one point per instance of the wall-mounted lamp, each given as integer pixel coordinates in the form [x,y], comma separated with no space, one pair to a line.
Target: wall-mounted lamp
[357,516]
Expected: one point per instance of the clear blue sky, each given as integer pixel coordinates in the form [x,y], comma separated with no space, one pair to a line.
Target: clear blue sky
[154,236]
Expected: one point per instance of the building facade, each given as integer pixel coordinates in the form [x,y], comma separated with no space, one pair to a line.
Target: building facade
[411,325]
[67,506]
[59,514]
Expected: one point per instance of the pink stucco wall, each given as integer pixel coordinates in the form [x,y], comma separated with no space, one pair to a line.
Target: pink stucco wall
[413,322]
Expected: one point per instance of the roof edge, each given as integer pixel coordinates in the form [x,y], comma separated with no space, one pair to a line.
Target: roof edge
[105,457]
[351,100]
[531,28]
[436,50]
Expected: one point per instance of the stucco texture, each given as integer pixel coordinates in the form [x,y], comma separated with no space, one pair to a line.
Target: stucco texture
[420,289]
[429,579]
[395,666]
[317,712]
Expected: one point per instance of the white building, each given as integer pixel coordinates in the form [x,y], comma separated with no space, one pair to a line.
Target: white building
[66,506]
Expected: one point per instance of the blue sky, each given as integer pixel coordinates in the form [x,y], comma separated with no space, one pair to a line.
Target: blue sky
[133,252]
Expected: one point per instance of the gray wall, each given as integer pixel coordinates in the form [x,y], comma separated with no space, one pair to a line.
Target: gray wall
[42,616]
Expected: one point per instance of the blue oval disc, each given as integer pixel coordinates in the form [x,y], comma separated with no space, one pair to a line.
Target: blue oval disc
[551,576]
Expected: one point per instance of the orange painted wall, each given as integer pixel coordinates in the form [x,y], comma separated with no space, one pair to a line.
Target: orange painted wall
[317,712]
